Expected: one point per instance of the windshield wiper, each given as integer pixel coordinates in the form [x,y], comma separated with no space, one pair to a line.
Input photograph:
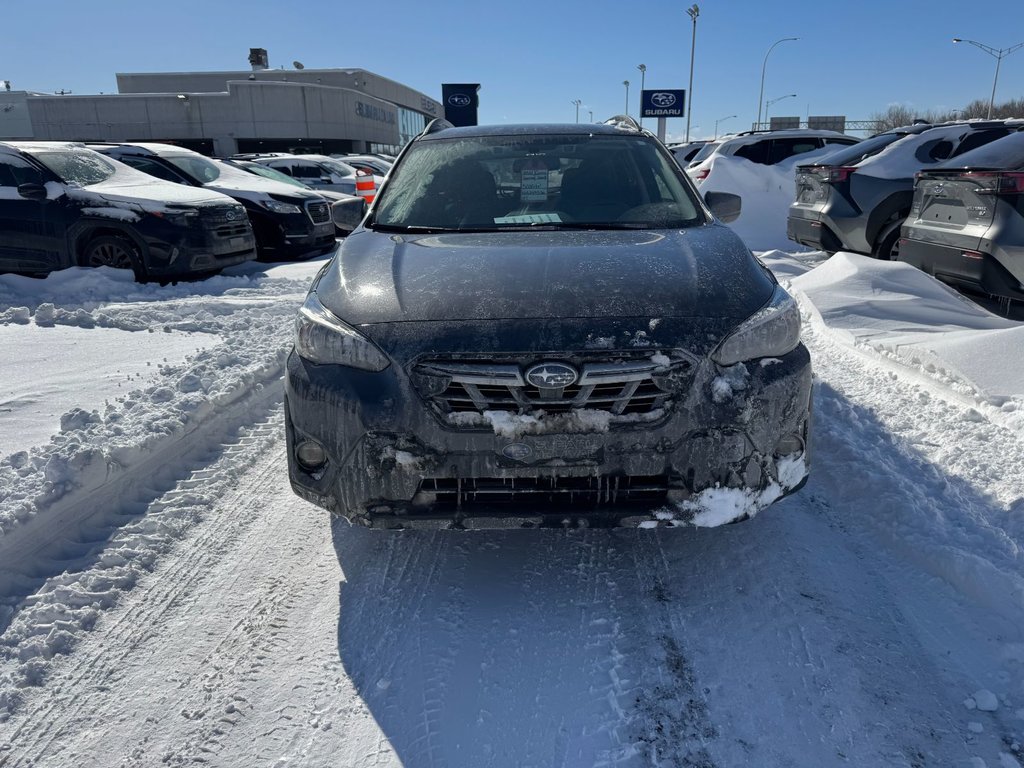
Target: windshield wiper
[410,229]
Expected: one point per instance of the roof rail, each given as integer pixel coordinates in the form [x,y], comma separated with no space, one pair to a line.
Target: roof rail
[623,122]
[435,125]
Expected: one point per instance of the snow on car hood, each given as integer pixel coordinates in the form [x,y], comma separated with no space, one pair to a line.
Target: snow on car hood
[698,272]
[127,188]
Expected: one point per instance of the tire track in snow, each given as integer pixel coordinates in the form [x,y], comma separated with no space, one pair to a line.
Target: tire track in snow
[159,595]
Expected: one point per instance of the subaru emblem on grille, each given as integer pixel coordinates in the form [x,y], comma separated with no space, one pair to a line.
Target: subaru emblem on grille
[517,451]
[551,375]
[231,214]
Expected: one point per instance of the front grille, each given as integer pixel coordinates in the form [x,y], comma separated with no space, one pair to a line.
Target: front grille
[231,215]
[620,387]
[319,211]
[539,491]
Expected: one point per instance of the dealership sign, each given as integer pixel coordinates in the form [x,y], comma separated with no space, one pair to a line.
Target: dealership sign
[663,103]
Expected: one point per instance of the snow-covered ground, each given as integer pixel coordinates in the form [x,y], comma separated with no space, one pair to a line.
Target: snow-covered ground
[166,600]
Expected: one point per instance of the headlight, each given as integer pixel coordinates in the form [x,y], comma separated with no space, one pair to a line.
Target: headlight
[770,332]
[321,337]
[279,207]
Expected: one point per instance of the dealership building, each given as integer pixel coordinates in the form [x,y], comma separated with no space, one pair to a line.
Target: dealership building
[221,113]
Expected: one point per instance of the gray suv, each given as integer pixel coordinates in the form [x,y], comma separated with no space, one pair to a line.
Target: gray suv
[545,325]
[856,199]
[966,223]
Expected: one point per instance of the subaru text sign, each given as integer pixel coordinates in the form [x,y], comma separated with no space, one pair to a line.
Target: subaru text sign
[460,102]
[663,103]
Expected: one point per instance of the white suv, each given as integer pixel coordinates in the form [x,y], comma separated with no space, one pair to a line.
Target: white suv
[767,147]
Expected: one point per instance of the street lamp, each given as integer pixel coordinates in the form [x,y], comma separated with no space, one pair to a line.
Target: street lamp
[643,75]
[577,102]
[722,120]
[626,83]
[999,54]
[772,101]
[760,96]
[693,12]
[591,114]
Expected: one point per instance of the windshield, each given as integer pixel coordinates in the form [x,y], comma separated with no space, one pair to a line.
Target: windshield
[338,169]
[196,166]
[77,166]
[862,150]
[513,182]
[705,152]
[270,173]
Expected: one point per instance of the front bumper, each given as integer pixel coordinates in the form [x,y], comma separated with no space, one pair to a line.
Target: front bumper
[391,462]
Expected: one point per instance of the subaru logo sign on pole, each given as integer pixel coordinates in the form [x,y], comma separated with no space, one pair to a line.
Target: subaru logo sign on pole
[460,103]
[662,104]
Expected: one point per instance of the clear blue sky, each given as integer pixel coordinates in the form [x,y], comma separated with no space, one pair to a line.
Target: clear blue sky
[533,58]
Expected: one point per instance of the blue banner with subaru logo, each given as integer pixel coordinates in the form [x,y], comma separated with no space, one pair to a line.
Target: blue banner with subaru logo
[663,103]
[460,103]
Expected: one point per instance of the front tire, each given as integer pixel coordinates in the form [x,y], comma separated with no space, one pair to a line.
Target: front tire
[113,251]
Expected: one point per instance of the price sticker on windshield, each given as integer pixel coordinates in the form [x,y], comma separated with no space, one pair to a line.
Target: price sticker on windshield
[534,187]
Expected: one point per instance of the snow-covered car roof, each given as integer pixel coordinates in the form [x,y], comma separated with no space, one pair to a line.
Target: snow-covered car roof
[742,139]
[14,147]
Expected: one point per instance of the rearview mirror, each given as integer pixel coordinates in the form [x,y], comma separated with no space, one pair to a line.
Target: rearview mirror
[724,206]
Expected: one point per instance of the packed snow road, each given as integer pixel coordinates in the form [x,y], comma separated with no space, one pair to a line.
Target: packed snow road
[209,616]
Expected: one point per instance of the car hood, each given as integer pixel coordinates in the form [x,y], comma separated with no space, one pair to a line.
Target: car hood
[252,187]
[703,271]
[146,190]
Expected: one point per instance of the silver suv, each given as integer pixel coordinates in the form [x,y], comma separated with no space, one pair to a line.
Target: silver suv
[966,222]
[857,199]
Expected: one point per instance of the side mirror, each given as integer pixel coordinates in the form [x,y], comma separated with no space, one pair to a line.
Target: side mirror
[348,213]
[32,191]
[724,206]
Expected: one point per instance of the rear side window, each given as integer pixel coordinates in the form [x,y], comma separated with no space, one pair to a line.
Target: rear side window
[934,151]
[1006,153]
[863,149]
[977,139]
[755,153]
[785,148]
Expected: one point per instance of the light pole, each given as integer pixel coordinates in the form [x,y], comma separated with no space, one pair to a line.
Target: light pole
[626,83]
[693,12]
[772,101]
[577,102]
[643,75]
[760,95]
[999,54]
[722,120]
[591,114]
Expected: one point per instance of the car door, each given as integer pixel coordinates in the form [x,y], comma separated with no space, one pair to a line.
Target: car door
[33,233]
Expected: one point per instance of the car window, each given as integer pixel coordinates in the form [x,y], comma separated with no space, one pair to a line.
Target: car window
[705,152]
[932,151]
[976,139]
[14,172]
[502,182]
[755,153]
[195,166]
[303,170]
[154,169]
[271,173]
[1005,154]
[77,166]
[782,149]
[863,149]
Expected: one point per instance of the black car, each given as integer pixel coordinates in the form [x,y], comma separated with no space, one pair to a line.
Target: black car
[290,223]
[543,325]
[858,198]
[63,205]
[966,223]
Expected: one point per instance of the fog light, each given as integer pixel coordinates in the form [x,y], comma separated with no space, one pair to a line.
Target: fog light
[310,454]
[789,445]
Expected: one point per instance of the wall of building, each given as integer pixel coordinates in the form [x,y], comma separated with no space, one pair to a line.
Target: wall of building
[248,110]
[15,120]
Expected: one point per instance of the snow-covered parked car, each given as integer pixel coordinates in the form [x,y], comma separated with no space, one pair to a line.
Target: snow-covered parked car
[289,223]
[62,205]
[767,147]
[587,347]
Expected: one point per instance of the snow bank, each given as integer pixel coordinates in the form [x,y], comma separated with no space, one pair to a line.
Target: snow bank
[899,311]
[767,192]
